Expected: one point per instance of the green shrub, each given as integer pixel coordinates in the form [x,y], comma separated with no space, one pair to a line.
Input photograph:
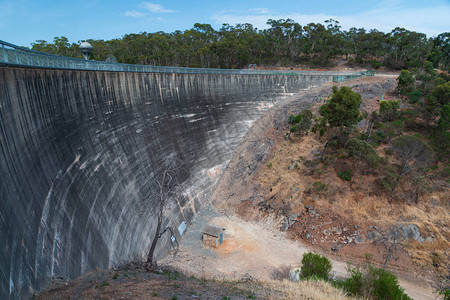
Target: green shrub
[372,283]
[171,275]
[414,96]
[429,68]
[410,113]
[397,123]
[378,124]
[445,294]
[105,283]
[389,109]
[405,82]
[319,186]
[311,163]
[295,119]
[379,136]
[385,285]
[388,182]
[354,283]
[442,94]
[315,266]
[301,122]
[376,64]
[360,150]
[346,175]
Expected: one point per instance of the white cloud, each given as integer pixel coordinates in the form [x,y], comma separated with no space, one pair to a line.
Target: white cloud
[430,20]
[260,10]
[134,14]
[156,8]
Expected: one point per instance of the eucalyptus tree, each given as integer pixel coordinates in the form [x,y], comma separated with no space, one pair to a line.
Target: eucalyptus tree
[286,37]
[441,50]
[314,35]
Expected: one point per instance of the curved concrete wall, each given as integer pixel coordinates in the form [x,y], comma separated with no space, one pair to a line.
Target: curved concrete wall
[79,150]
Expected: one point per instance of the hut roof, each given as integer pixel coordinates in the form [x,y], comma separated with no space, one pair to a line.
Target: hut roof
[213,230]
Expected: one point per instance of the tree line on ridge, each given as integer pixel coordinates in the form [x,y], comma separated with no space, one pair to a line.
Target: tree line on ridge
[284,43]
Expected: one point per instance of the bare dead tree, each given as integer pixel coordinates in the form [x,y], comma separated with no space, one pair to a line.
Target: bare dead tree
[391,245]
[412,153]
[390,240]
[167,190]
[371,121]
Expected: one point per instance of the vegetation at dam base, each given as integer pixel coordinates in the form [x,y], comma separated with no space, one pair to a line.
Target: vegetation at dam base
[364,281]
[314,282]
[285,43]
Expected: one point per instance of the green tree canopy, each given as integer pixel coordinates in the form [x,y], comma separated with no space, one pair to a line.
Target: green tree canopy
[363,152]
[342,110]
[389,109]
[285,42]
[442,94]
[405,82]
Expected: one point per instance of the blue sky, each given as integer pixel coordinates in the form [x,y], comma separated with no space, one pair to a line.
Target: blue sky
[25,21]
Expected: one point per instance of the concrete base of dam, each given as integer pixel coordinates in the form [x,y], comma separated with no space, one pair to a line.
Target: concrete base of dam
[81,150]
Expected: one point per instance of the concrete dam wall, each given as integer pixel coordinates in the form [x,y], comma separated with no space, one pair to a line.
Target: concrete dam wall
[80,150]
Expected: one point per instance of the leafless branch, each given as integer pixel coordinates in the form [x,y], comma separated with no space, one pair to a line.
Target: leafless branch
[167,189]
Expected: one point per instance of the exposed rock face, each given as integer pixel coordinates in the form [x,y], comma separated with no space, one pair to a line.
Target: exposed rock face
[289,221]
[400,232]
[80,150]
[407,232]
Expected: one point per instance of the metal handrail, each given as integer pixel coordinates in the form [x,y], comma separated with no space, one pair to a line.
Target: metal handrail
[14,55]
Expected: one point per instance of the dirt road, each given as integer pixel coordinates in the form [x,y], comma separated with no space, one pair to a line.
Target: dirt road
[252,248]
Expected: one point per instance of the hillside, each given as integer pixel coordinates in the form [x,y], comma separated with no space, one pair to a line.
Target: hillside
[287,179]
[274,212]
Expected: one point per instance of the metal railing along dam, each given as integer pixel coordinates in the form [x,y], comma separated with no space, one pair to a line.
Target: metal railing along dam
[82,143]
[14,55]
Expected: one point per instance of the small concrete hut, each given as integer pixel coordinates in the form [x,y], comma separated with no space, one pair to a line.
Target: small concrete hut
[213,235]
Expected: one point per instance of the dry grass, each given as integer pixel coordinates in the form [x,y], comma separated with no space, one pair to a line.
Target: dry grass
[287,178]
[141,285]
[284,178]
[310,289]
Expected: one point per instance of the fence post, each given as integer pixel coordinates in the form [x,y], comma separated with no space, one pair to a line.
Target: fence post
[5,55]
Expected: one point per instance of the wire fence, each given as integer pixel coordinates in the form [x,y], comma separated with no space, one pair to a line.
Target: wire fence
[13,55]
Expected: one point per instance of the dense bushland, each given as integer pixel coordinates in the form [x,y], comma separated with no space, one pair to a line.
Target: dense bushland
[412,131]
[285,43]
